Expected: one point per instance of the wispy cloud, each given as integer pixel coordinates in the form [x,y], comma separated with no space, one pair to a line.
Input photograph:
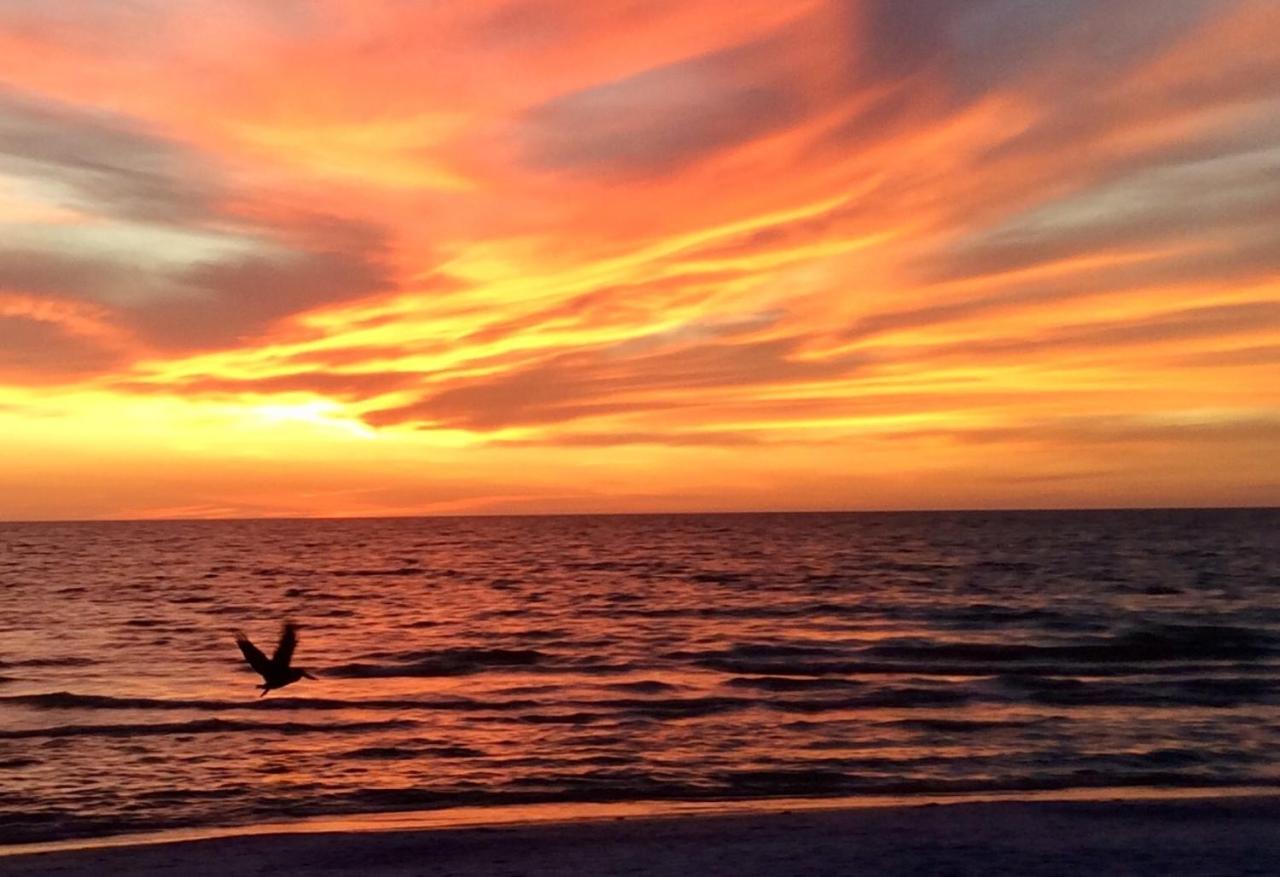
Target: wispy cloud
[825,253]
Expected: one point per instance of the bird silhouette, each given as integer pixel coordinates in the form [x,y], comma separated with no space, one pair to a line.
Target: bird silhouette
[275,671]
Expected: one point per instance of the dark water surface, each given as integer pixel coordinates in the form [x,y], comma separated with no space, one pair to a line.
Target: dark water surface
[703,657]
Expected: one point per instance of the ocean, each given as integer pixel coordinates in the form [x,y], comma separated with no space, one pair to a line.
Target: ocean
[492,661]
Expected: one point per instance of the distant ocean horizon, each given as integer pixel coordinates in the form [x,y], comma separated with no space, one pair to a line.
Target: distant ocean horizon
[490,659]
[661,513]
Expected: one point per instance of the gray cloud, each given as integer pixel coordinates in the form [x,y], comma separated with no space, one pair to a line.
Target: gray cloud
[1143,202]
[660,119]
[1103,338]
[208,304]
[223,303]
[241,274]
[1239,260]
[994,39]
[104,163]
[933,57]
[42,352]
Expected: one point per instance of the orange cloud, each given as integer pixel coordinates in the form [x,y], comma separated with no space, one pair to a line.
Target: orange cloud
[304,258]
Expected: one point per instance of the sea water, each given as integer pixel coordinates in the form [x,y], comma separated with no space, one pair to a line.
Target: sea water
[490,661]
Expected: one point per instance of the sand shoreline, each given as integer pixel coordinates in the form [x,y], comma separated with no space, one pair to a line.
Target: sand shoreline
[1165,835]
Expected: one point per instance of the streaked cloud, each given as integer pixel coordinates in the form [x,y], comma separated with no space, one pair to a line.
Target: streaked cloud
[633,256]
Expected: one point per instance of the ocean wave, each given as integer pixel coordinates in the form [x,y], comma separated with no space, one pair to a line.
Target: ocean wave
[17,762]
[305,572]
[886,697]
[396,753]
[645,686]
[72,661]
[1170,642]
[30,824]
[202,726]
[816,783]
[877,776]
[1196,692]
[578,718]
[68,700]
[661,708]
[830,668]
[65,700]
[442,662]
[1170,649]
[964,726]
[791,683]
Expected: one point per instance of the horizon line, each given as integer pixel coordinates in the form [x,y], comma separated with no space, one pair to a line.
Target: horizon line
[652,514]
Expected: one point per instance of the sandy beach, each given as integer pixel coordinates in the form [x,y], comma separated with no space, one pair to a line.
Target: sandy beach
[1208,836]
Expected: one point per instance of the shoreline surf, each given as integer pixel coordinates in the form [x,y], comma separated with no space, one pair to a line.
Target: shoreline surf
[1167,836]
[571,813]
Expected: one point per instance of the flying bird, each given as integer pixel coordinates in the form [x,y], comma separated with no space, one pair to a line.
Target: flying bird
[275,671]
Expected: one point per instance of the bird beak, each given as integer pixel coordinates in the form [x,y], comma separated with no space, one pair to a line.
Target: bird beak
[307,675]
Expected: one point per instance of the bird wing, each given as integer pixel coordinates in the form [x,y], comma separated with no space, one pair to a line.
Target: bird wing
[284,649]
[258,661]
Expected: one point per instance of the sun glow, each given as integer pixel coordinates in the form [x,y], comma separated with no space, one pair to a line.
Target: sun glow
[320,413]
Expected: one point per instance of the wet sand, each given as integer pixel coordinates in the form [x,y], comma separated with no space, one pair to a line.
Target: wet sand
[1209,836]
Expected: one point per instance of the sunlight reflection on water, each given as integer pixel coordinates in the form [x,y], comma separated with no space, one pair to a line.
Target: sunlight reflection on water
[497,661]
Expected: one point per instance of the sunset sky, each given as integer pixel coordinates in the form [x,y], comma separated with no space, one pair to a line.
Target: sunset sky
[346,257]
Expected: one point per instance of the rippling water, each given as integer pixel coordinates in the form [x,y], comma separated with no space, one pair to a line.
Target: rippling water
[506,660]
